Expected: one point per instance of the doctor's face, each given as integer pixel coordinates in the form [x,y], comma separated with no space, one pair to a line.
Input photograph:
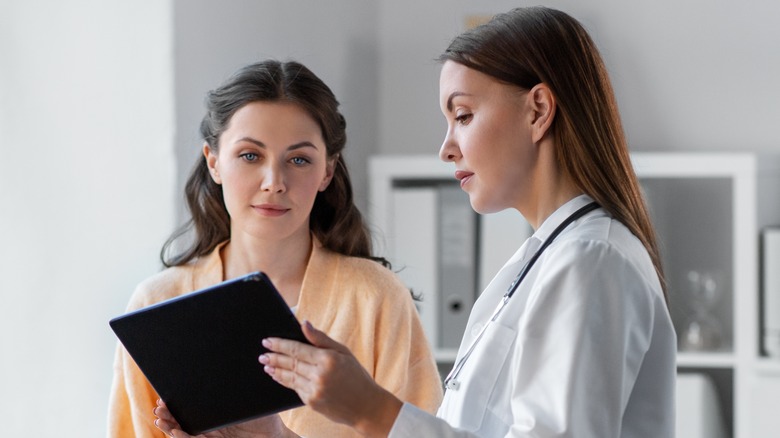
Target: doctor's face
[271,163]
[488,138]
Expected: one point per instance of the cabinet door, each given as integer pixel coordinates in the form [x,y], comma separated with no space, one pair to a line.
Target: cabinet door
[764,416]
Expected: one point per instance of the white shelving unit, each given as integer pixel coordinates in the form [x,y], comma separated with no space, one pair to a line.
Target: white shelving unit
[391,175]
[708,209]
[389,171]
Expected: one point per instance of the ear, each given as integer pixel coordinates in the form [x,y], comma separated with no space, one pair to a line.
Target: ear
[211,162]
[543,105]
[330,170]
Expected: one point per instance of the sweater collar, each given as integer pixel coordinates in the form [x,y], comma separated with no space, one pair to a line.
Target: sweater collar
[211,269]
[319,270]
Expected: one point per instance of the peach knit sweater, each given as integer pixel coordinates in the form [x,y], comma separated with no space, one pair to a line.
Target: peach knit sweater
[355,301]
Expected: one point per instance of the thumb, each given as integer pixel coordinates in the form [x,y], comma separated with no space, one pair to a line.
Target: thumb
[320,339]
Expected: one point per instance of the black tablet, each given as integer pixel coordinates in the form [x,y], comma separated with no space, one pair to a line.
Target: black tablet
[199,351]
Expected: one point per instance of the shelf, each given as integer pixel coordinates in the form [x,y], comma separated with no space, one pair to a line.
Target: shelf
[684,360]
[768,367]
[445,355]
[705,360]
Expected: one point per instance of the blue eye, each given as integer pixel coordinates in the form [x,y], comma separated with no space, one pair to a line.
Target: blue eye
[249,156]
[300,161]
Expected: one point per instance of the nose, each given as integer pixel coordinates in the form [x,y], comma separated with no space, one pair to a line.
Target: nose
[449,150]
[273,179]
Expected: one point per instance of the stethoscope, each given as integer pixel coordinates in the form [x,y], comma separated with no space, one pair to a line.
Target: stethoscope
[451,381]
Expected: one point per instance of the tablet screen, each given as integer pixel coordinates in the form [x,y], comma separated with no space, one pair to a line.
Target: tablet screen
[199,351]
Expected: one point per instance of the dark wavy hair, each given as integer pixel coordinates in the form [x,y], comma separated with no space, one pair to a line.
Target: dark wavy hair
[335,220]
[528,46]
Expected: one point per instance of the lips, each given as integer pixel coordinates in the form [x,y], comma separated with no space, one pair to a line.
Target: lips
[272,210]
[463,176]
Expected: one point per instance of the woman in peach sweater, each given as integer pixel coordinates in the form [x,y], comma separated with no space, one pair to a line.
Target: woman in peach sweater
[271,193]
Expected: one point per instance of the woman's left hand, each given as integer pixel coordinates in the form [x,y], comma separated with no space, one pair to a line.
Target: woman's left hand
[329,379]
[265,427]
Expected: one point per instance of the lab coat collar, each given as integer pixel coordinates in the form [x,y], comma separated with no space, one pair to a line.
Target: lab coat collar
[560,215]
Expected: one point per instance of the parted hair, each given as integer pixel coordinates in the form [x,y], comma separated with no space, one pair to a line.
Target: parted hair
[528,46]
[335,220]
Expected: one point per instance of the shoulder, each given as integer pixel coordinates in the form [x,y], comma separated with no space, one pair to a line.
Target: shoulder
[166,284]
[372,274]
[171,282]
[369,278]
[598,279]
[196,274]
[602,252]
[605,239]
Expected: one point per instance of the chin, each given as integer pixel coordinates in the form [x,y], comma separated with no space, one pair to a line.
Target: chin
[480,208]
[483,208]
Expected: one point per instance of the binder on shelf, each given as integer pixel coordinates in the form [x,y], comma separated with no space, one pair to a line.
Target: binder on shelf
[698,409]
[414,250]
[770,292]
[457,263]
[501,234]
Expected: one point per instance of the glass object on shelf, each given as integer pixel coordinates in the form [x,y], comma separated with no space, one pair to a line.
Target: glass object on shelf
[694,221]
[702,331]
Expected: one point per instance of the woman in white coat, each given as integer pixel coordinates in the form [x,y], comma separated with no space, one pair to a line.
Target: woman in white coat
[572,338]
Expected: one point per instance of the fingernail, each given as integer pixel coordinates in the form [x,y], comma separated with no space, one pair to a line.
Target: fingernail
[266,343]
[308,325]
[263,359]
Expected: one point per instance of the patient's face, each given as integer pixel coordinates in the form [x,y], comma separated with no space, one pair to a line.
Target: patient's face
[271,163]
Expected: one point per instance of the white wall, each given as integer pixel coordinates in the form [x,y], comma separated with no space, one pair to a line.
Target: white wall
[86,145]
[689,75]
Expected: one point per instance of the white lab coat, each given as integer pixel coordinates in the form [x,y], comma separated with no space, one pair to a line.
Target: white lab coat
[585,347]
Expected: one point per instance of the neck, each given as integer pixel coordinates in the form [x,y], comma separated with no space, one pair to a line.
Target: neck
[283,261]
[547,206]
[553,189]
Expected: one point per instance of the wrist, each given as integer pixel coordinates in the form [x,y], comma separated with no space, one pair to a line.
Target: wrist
[378,418]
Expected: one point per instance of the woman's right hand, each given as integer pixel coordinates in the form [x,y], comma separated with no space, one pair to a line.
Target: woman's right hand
[330,380]
[264,427]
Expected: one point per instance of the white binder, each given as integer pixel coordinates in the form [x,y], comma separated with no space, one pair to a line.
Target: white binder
[501,234]
[698,408]
[414,251]
[457,262]
[770,297]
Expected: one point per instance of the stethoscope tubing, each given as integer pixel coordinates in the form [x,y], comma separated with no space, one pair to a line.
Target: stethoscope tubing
[451,381]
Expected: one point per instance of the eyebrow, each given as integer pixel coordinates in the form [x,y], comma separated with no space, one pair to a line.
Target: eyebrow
[292,147]
[453,96]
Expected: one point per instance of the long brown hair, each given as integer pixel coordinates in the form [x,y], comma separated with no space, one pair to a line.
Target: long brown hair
[528,46]
[335,219]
